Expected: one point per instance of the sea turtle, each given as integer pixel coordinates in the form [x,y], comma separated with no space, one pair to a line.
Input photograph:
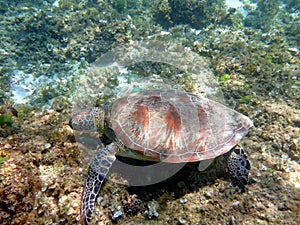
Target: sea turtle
[163,125]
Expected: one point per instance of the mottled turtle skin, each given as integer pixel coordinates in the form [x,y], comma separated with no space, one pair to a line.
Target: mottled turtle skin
[169,126]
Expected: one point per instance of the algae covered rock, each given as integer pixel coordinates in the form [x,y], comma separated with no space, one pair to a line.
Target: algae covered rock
[198,14]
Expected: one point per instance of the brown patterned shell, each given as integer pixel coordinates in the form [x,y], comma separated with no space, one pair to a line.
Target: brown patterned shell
[174,126]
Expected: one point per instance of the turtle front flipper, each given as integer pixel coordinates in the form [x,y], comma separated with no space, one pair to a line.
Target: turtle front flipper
[238,166]
[98,169]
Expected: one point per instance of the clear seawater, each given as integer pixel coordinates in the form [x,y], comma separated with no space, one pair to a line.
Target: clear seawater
[58,56]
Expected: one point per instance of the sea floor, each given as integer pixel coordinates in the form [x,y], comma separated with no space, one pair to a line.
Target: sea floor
[42,176]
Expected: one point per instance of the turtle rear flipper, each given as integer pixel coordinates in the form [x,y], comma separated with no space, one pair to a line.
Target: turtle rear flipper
[98,169]
[238,166]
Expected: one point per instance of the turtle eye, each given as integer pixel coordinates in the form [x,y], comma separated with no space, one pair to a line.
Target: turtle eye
[105,105]
[76,121]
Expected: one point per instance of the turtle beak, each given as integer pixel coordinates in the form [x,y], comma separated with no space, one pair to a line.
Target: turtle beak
[70,123]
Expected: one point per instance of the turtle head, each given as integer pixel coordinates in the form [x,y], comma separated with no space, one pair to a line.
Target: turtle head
[88,120]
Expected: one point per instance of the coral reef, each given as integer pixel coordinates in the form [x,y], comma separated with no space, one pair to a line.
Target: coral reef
[263,16]
[18,181]
[198,14]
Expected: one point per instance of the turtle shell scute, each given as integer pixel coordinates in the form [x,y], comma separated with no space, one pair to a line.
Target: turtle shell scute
[174,126]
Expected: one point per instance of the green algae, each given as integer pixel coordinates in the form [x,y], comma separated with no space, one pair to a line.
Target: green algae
[247,86]
[246,99]
[6,120]
[3,158]
[224,77]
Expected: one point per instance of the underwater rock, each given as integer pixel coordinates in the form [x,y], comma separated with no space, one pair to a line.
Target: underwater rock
[17,191]
[132,206]
[117,215]
[152,213]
